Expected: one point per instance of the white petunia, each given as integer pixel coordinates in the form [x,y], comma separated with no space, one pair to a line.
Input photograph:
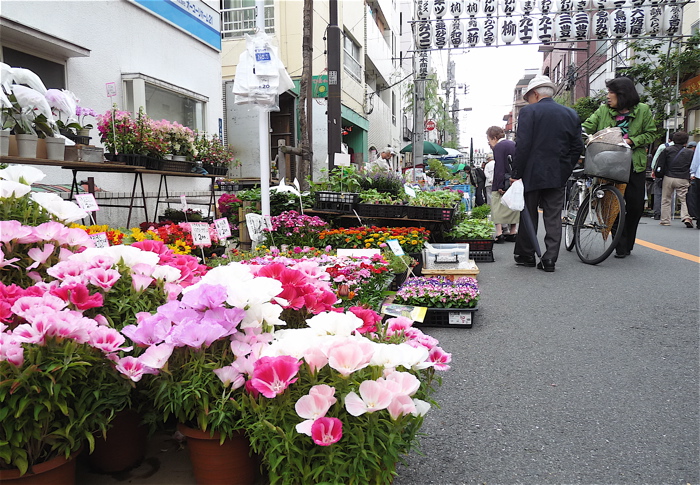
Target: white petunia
[63,210]
[167,273]
[334,323]
[9,188]
[23,174]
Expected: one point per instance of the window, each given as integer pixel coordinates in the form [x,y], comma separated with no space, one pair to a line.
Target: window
[352,58]
[163,100]
[238,18]
[52,74]
[393,108]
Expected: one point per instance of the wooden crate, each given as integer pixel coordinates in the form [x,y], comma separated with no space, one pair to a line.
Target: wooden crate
[452,274]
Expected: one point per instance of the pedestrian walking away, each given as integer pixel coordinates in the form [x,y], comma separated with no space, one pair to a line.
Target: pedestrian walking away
[548,146]
[656,187]
[624,109]
[674,163]
[501,216]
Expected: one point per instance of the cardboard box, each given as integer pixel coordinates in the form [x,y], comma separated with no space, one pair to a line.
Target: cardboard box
[84,153]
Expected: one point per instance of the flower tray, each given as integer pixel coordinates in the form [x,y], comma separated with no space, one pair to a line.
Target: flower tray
[382,211]
[430,213]
[449,317]
[215,170]
[480,250]
[175,166]
[342,202]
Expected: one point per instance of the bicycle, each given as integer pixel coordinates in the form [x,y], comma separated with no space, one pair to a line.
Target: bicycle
[599,220]
[574,195]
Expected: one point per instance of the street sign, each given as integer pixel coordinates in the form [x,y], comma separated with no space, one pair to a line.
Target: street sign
[430,125]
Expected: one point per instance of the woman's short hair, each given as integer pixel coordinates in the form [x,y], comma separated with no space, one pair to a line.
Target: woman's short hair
[623,87]
[495,132]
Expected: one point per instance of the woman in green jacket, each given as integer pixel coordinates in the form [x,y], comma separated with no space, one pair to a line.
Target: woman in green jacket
[625,110]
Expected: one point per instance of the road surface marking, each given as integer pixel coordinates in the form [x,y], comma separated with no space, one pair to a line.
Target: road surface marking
[672,252]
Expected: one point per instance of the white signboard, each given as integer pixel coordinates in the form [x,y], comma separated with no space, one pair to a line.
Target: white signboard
[395,247]
[87,202]
[341,159]
[200,233]
[183,202]
[100,240]
[223,228]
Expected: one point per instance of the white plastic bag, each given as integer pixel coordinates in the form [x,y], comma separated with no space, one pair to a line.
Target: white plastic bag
[514,198]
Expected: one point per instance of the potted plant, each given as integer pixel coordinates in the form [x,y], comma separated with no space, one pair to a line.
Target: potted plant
[216,157]
[449,302]
[118,134]
[28,116]
[178,215]
[83,128]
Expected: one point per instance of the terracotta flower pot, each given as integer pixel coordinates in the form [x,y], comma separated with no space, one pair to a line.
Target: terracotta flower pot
[57,471]
[125,446]
[229,463]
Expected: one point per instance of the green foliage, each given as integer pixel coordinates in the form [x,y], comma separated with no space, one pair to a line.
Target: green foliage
[385,182]
[481,211]
[438,198]
[61,395]
[472,229]
[373,196]
[438,170]
[658,66]
[586,106]
[24,210]
[279,201]
[340,179]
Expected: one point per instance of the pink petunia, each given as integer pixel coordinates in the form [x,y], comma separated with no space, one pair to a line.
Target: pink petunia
[326,431]
[132,368]
[272,375]
[440,358]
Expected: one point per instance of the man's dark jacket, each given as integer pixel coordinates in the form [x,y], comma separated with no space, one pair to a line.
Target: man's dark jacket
[547,144]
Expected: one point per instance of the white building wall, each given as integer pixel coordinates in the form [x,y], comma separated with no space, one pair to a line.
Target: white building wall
[122,38]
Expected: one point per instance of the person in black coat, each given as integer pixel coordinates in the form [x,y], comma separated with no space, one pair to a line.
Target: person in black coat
[480,182]
[548,144]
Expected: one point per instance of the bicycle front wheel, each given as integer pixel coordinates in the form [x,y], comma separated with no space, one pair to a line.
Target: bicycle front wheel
[598,225]
[568,217]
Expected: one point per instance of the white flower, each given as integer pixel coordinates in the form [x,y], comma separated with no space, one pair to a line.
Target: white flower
[334,323]
[64,210]
[393,355]
[422,407]
[23,174]
[129,254]
[9,188]
[167,274]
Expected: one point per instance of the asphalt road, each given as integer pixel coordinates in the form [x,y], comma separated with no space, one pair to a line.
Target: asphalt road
[588,375]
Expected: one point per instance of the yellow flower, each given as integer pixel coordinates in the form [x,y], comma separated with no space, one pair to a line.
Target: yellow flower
[181,247]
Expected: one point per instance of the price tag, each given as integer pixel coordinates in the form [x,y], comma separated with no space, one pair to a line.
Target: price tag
[410,191]
[87,202]
[100,240]
[461,318]
[183,201]
[200,233]
[223,228]
[395,247]
[341,159]
[111,89]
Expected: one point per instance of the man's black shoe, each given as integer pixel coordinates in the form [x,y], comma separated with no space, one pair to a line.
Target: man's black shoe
[546,265]
[528,261]
[657,217]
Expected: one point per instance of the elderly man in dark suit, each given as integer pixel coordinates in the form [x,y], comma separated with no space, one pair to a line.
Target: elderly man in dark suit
[548,145]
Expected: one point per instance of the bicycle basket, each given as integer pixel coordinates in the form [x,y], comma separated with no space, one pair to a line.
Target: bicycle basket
[609,161]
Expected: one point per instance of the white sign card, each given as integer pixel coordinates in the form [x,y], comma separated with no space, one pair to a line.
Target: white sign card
[200,234]
[415,313]
[395,247]
[341,159]
[87,202]
[358,252]
[410,191]
[111,89]
[462,318]
[183,201]
[223,228]
[100,240]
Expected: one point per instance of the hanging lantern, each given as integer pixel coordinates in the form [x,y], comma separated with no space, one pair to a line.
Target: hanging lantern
[601,24]
[508,30]
[672,20]
[471,7]
[653,21]
[545,28]
[581,5]
[616,4]
[564,27]
[424,35]
[423,9]
[456,33]
[545,6]
[527,6]
[508,7]
[489,30]
[619,23]
[637,16]
[456,8]
[489,7]
[440,34]
[526,26]
[582,25]
[637,3]
[473,31]
[565,5]
[440,8]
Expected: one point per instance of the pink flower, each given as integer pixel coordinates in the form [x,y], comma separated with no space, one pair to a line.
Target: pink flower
[10,230]
[315,358]
[11,350]
[79,296]
[140,282]
[400,406]
[40,255]
[151,329]
[326,431]
[369,317]
[106,339]
[102,278]
[313,406]
[132,368]
[350,356]
[374,396]
[272,375]
[407,382]
[440,358]
[230,375]
[398,324]
[156,356]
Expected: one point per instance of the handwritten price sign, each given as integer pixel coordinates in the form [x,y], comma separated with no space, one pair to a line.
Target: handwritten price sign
[200,234]
[100,240]
[395,247]
[223,228]
[183,201]
[87,202]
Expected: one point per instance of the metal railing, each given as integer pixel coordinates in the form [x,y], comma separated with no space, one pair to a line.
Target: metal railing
[236,22]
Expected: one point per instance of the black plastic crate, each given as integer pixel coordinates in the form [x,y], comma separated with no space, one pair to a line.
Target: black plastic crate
[449,317]
[481,256]
[176,166]
[480,250]
[340,197]
[430,213]
[382,211]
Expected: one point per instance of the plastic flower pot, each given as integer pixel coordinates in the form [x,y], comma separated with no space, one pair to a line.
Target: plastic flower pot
[26,145]
[56,471]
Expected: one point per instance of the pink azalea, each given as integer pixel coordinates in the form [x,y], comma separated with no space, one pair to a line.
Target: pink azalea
[106,339]
[156,356]
[326,431]
[230,376]
[40,255]
[132,368]
[440,358]
[102,278]
[374,396]
[400,406]
[350,356]
[272,375]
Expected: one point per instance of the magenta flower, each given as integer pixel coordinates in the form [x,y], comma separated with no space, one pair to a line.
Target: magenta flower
[132,368]
[313,406]
[102,278]
[440,358]
[326,431]
[106,339]
[272,375]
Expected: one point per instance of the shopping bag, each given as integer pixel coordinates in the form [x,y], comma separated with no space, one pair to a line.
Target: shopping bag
[514,198]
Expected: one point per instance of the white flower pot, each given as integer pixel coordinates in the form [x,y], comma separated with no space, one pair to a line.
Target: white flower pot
[84,132]
[4,143]
[26,145]
[55,148]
